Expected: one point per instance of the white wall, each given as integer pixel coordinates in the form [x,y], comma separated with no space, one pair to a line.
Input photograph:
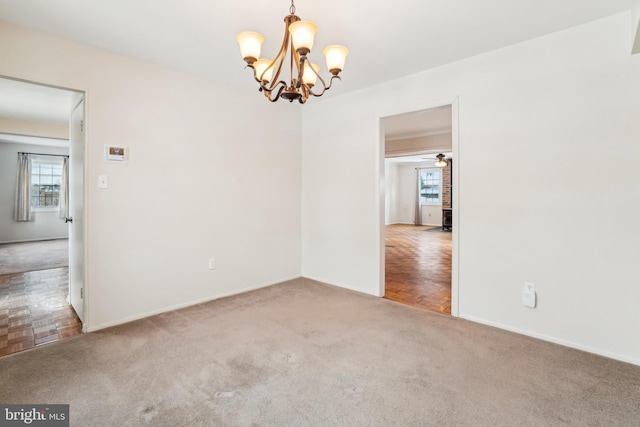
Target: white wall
[208,175]
[400,197]
[44,224]
[554,109]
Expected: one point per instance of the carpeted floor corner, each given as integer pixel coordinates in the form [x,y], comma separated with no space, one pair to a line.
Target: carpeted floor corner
[302,353]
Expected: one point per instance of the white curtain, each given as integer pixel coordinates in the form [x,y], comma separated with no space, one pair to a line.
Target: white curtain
[22,211]
[418,213]
[63,201]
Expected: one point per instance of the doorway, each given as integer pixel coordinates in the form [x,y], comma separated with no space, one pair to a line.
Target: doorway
[419,225]
[35,123]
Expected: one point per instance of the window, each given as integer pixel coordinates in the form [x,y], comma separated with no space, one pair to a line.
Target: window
[430,185]
[46,179]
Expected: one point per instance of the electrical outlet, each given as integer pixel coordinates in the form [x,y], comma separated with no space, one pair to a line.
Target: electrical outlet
[529,299]
[529,295]
[212,263]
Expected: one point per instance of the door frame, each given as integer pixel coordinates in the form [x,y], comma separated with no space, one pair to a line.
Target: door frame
[455,199]
[81,95]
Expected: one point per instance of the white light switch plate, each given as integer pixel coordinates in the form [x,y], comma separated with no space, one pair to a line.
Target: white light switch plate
[102,181]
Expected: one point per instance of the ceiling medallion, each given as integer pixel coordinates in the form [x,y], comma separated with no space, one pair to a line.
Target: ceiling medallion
[296,45]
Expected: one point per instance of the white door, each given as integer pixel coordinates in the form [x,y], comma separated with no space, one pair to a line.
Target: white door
[76,210]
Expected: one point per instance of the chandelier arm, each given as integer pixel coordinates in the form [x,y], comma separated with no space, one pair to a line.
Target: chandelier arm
[274,86]
[300,60]
[277,94]
[305,93]
[278,87]
[280,56]
[324,86]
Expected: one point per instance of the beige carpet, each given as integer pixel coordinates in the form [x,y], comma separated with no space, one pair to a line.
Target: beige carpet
[307,354]
[32,256]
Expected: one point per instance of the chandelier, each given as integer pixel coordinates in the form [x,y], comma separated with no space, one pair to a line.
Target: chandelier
[303,75]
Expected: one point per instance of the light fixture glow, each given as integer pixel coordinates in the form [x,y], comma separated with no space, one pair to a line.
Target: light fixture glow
[336,56]
[441,163]
[302,35]
[293,55]
[263,70]
[250,44]
[309,77]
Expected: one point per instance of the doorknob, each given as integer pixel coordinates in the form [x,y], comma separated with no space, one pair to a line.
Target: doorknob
[68,219]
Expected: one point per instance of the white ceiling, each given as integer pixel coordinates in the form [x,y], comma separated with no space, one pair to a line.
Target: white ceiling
[387,40]
[25,101]
[420,123]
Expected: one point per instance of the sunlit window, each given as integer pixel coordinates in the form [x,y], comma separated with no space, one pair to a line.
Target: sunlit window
[46,179]
[430,186]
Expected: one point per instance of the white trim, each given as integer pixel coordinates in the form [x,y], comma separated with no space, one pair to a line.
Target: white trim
[417,135]
[455,212]
[185,305]
[416,152]
[548,338]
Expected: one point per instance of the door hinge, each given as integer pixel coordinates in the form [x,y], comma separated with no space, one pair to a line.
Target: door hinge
[81,293]
[81,125]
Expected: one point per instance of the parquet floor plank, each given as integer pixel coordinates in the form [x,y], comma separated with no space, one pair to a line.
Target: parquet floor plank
[34,309]
[418,267]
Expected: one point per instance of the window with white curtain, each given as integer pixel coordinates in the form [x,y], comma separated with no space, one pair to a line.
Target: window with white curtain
[46,181]
[431,186]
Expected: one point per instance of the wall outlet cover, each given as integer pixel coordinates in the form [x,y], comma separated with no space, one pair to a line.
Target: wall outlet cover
[529,299]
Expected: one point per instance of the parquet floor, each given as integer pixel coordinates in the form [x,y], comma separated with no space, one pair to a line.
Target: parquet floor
[34,309]
[418,267]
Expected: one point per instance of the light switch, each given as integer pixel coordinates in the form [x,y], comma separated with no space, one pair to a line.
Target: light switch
[102,181]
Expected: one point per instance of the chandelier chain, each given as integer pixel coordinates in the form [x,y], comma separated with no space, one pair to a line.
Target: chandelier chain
[292,9]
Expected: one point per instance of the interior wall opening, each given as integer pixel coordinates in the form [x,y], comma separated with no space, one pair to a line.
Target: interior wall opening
[418,227]
[34,240]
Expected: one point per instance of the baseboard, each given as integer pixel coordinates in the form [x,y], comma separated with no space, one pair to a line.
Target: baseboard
[330,283]
[565,343]
[183,305]
[34,240]
[542,337]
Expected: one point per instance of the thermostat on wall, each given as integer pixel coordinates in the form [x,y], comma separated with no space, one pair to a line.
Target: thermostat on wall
[116,153]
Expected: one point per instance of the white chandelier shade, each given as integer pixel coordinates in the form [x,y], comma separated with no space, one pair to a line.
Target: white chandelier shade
[250,44]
